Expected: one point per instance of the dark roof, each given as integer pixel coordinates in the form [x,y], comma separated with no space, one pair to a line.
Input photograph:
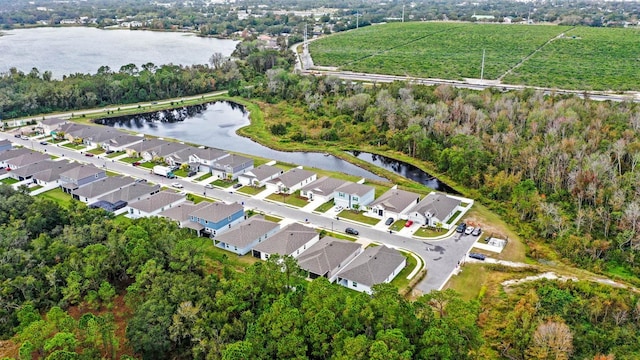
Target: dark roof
[131,192]
[326,255]
[82,171]
[57,168]
[325,185]
[293,177]
[263,171]
[373,266]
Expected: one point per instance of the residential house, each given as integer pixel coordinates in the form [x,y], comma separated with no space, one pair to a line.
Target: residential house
[230,167]
[155,204]
[49,126]
[5,145]
[323,188]
[291,181]
[393,203]
[258,176]
[218,217]
[99,135]
[354,196]
[146,145]
[292,240]
[74,132]
[327,257]
[93,191]
[10,154]
[28,171]
[163,150]
[376,265]
[206,157]
[80,176]
[242,238]
[132,193]
[120,142]
[435,210]
[182,157]
[51,176]
[26,159]
[182,215]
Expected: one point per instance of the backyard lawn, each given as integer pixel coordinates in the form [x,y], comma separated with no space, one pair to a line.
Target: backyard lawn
[358,216]
[58,196]
[401,280]
[9,181]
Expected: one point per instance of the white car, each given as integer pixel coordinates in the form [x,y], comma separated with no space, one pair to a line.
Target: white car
[468,230]
[339,208]
[177,185]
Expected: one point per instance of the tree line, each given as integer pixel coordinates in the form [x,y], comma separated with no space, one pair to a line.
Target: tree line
[562,169]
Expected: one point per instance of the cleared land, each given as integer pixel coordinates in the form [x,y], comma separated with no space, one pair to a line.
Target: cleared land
[564,57]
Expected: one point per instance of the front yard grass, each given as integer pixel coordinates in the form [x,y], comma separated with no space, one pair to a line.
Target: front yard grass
[58,196]
[116,154]
[223,183]
[325,207]
[197,198]
[428,232]
[251,190]
[398,225]
[290,199]
[358,216]
[148,165]
[74,146]
[181,173]
[130,160]
[9,181]
[205,176]
[96,151]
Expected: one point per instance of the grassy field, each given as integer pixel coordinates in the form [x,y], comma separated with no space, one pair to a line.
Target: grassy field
[9,181]
[58,196]
[583,58]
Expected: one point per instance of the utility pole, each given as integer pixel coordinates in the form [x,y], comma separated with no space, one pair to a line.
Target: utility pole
[402,12]
[357,19]
[482,68]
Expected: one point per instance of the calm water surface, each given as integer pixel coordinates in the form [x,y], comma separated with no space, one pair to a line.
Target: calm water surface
[71,50]
[215,125]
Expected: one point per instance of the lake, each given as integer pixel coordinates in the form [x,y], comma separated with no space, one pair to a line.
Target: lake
[70,50]
[215,125]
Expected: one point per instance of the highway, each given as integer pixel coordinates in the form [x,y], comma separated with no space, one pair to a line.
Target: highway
[441,257]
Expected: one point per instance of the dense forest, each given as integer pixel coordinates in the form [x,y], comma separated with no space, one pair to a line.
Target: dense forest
[562,169]
[71,276]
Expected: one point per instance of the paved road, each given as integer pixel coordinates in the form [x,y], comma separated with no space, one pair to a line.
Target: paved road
[441,257]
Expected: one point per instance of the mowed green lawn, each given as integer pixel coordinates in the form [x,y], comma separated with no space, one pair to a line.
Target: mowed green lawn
[584,58]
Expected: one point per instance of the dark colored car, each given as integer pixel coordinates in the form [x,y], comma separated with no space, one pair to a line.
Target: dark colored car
[236,186]
[110,151]
[389,221]
[17,135]
[351,231]
[43,143]
[477,256]
[88,154]
[135,163]
[476,232]
[461,228]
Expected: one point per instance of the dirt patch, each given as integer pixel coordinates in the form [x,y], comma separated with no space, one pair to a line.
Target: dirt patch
[8,349]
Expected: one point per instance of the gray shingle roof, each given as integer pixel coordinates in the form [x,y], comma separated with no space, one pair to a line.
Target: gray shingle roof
[325,185]
[102,186]
[232,160]
[123,139]
[131,192]
[293,177]
[247,232]
[217,211]
[28,158]
[52,121]
[10,154]
[326,255]
[210,154]
[373,265]
[34,168]
[356,189]
[81,172]
[263,172]
[181,212]
[438,205]
[54,172]
[146,144]
[157,201]
[396,200]
[287,240]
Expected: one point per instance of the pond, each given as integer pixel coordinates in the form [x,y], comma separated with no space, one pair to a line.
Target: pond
[215,125]
[407,170]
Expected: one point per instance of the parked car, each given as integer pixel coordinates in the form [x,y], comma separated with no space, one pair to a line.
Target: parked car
[24,137]
[408,223]
[110,151]
[476,232]
[137,163]
[237,186]
[209,186]
[351,231]
[477,256]
[461,228]
[43,143]
[338,208]
[468,230]
[89,154]
[177,185]
[17,136]
[141,180]
[389,221]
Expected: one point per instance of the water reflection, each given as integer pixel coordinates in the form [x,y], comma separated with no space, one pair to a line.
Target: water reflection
[407,170]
